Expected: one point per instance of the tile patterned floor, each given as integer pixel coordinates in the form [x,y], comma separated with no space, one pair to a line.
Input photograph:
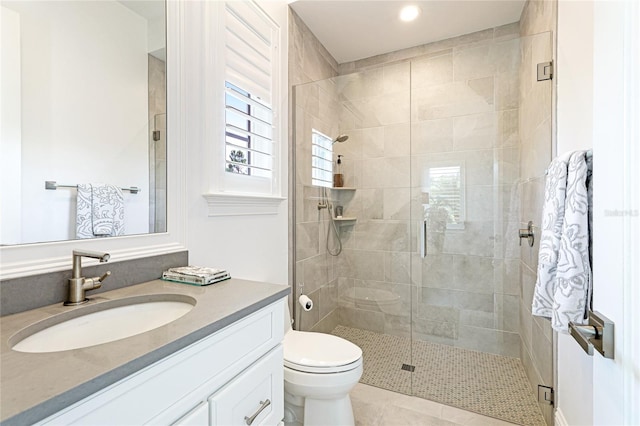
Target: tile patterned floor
[491,385]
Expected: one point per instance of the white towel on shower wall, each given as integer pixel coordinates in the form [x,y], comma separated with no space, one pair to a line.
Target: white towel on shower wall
[99,211]
[563,284]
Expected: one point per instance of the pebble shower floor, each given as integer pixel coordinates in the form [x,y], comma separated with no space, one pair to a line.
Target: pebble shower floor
[484,383]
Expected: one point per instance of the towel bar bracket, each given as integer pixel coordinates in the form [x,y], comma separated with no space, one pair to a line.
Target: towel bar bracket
[528,234]
[597,334]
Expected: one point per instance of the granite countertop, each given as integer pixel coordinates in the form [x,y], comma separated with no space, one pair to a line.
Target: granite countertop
[36,385]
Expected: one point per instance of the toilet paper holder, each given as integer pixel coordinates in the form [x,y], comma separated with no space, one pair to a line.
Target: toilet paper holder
[305,302]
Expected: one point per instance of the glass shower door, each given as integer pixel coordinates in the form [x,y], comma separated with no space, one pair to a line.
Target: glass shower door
[476,111]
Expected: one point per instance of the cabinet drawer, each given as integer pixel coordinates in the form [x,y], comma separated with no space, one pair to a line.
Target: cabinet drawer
[258,392]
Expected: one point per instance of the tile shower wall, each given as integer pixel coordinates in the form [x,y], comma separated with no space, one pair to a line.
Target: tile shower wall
[373,270]
[312,265]
[452,100]
[536,131]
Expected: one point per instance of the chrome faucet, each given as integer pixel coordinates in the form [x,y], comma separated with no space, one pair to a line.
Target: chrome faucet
[78,284]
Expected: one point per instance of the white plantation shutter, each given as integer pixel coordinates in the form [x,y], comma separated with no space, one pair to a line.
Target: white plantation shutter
[446,191]
[249,42]
[321,159]
[251,75]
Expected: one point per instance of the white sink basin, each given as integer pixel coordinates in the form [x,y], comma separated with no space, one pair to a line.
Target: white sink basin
[102,323]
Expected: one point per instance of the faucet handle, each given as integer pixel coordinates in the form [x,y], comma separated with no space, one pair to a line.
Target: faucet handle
[104,276]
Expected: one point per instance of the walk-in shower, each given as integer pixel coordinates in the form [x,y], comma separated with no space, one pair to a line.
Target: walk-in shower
[434,144]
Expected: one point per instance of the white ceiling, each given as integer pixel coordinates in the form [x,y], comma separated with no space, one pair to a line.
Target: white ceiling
[148,9]
[352,30]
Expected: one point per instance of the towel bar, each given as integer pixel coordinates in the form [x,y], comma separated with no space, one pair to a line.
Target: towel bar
[597,334]
[52,184]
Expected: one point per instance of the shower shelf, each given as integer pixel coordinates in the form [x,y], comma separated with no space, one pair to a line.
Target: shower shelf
[343,188]
[345,220]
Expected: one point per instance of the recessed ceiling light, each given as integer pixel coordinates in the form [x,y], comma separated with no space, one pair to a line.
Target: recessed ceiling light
[409,13]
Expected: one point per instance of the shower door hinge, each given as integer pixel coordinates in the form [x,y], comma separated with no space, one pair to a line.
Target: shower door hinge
[545,394]
[545,71]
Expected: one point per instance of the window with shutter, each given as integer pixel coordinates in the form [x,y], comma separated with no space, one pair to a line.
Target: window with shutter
[446,194]
[244,90]
[321,159]
[250,145]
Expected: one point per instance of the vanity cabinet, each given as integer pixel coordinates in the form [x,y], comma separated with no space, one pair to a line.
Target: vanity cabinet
[234,373]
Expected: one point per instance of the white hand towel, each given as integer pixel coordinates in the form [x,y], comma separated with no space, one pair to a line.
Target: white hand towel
[552,219]
[99,211]
[562,286]
[573,287]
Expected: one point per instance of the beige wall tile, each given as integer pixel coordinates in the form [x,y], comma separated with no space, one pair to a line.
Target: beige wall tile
[473,62]
[507,128]
[452,99]
[432,136]
[477,318]
[507,276]
[492,341]
[397,140]
[476,131]
[431,71]
[396,203]
[507,313]
[437,271]
[542,354]
[328,323]
[307,240]
[366,320]
[473,274]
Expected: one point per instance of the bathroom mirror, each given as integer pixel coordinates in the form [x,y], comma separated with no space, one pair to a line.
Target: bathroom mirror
[83,103]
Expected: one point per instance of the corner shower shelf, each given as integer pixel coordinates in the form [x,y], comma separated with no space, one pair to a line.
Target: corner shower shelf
[343,188]
[345,220]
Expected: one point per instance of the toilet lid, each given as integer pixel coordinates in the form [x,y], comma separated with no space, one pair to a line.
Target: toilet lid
[318,351]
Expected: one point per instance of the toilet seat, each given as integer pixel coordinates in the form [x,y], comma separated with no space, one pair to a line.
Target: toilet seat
[320,353]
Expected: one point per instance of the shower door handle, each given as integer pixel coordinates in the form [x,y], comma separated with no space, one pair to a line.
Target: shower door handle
[422,232]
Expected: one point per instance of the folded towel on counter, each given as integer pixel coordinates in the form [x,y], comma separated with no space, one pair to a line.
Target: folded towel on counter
[563,285]
[99,211]
[196,275]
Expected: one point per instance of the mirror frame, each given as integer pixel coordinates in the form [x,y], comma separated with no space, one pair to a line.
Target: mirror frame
[31,259]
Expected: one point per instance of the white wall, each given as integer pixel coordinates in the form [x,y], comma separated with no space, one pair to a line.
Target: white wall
[575,131]
[84,110]
[10,140]
[251,247]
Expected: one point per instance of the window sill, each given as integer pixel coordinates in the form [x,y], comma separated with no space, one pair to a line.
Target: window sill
[241,205]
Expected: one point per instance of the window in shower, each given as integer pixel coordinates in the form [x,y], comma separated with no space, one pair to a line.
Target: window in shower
[445,186]
[321,159]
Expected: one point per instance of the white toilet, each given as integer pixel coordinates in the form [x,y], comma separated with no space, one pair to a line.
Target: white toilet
[319,371]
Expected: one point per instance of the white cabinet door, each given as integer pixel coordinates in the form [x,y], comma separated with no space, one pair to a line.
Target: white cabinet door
[199,416]
[255,397]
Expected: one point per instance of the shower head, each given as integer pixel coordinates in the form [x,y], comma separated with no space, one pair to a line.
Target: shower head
[340,138]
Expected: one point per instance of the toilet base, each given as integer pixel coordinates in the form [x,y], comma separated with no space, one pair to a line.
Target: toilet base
[301,411]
